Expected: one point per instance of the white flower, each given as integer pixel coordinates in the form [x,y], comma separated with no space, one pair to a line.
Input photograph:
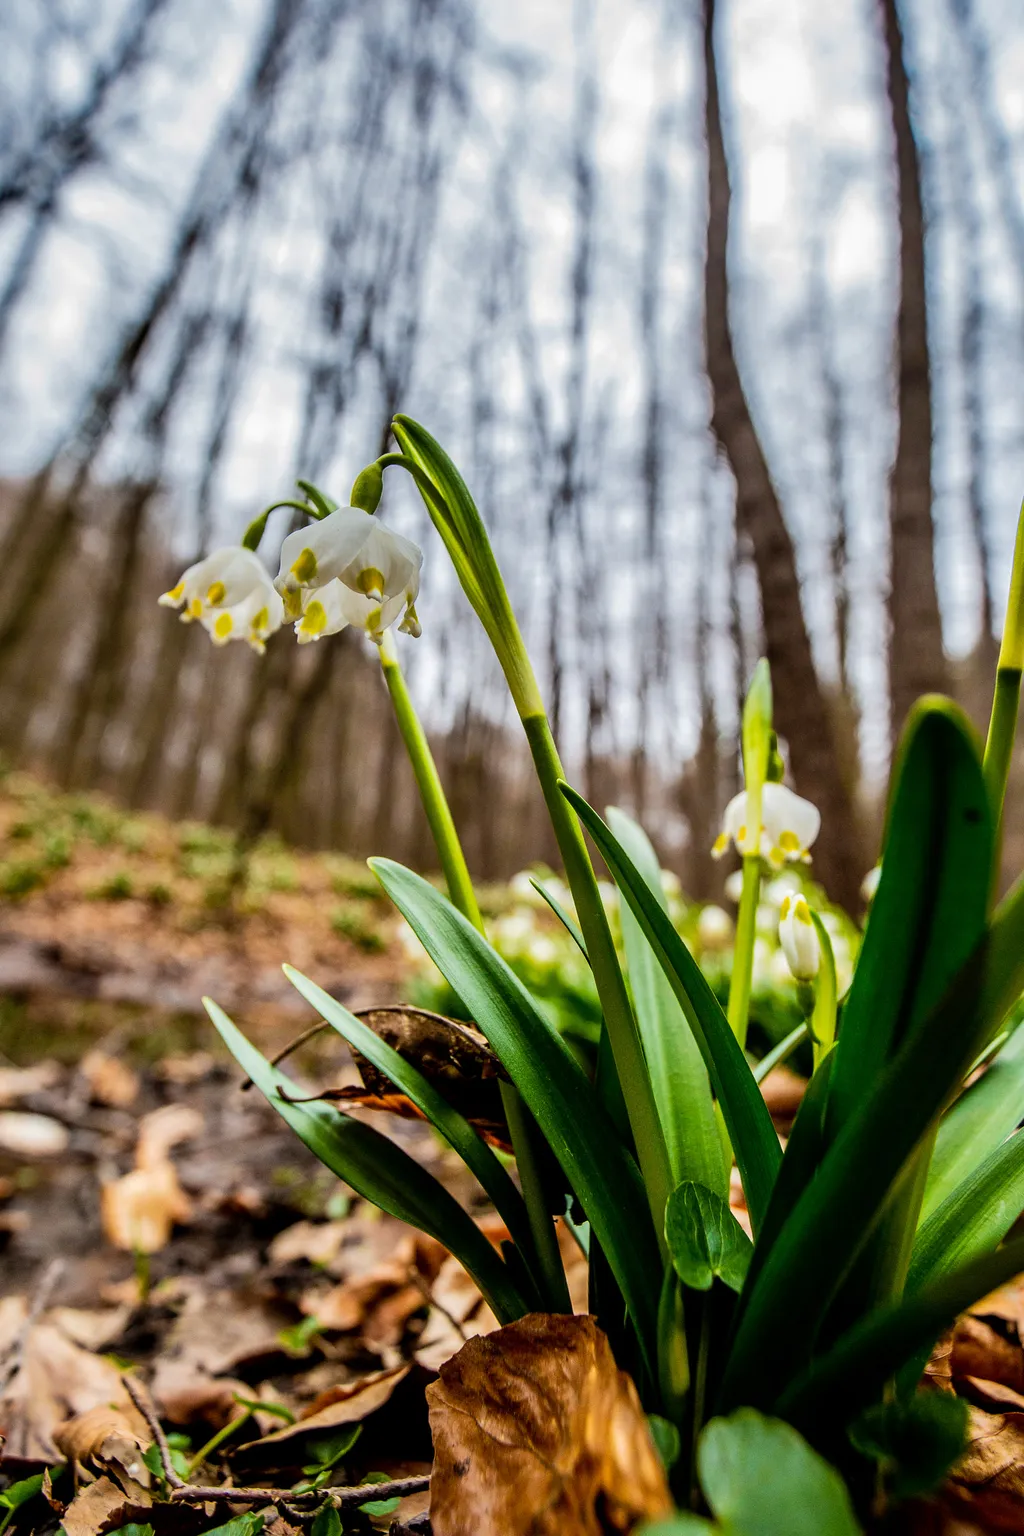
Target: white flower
[231,595]
[714,928]
[734,885]
[789,826]
[349,569]
[799,938]
[869,885]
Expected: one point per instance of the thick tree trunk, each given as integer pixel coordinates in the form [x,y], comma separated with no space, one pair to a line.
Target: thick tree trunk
[916,661]
[801,711]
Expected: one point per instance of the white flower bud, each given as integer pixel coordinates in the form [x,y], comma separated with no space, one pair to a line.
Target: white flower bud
[799,938]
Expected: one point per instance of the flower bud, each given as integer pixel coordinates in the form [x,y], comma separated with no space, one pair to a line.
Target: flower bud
[368,488]
[799,939]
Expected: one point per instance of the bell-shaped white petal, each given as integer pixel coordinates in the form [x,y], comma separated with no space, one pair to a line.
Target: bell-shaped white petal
[231,595]
[714,928]
[869,885]
[798,938]
[789,826]
[335,606]
[349,569]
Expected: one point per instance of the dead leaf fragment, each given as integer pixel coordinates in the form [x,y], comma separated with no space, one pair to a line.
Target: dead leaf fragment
[30,1135]
[140,1209]
[56,1380]
[20,1082]
[109,1080]
[101,1507]
[990,1475]
[538,1433]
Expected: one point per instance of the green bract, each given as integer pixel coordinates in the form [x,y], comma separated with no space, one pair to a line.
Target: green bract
[889,1210]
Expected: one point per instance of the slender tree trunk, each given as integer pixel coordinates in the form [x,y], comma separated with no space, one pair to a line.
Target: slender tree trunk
[801,711]
[916,661]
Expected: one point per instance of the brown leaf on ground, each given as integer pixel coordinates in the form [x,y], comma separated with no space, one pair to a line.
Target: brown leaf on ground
[139,1211]
[381,1301]
[783,1091]
[18,1082]
[989,1478]
[538,1433]
[56,1381]
[109,1080]
[979,1350]
[101,1507]
[348,1404]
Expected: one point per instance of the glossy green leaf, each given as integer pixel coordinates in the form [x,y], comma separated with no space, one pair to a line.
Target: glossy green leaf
[705,1239]
[854,1371]
[746,1118]
[929,911]
[567,921]
[682,1090]
[974,1218]
[379,1171]
[915,1440]
[780,1053]
[761,1478]
[982,1117]
[455,1128]
[578,1130]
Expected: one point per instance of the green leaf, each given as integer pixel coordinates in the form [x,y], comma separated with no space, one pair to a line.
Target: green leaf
[915,1440]
[974,1218]
[779,1053]
[746,1117]
[20,1493]
[929,911]
[705,1239]
[682,1091]
[325,1451]
[381,1506]
[761,1478]
[577,1128]
[455,1128]
[242,1525]
[666,1439]
[568,922]
[326,1521]
[982,1117]
[379,1171]
[854,1371]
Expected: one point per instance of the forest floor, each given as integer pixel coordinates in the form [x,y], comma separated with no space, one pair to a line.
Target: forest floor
[277,1308]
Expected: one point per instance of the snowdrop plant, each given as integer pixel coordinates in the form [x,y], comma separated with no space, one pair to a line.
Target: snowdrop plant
[890,1209]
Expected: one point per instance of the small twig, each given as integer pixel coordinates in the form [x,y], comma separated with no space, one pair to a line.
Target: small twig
[293,1045]
[412,1527]
[141,1400]
[40,1301]
[339,1497]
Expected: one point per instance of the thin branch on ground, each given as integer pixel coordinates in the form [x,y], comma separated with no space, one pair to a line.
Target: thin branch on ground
[341,1498]
[141,1400]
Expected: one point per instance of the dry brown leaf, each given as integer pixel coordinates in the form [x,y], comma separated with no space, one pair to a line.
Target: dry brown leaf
[538,1433]
[139,1210]
[783,1091]
[162,1129]
[19,1082]
[103,1506]
[348,1404]
[318,1242]
[990,1475]
[57,1380]
[109,1080]
[186,1394]
[979,1350]
[93,1328]
[108,1438]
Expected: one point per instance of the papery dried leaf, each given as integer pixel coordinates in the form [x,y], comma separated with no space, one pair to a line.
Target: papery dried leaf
[107,1434]
[538,1433]
[101,1507]
[990,1475]
[348,1404]
[186,1394]
[110,1081]
[57,1379]
[19,1082]
[979,1350]
[318,1242]
[139,1210]
[163,1129]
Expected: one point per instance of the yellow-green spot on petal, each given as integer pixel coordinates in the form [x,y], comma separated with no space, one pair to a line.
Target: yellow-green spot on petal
[304,568]
[174,596]
[786,904]
[371,582]
[216,594]
[223,626]
[195,608]
[314,620]
[260,621]
[719,846]
[789,842]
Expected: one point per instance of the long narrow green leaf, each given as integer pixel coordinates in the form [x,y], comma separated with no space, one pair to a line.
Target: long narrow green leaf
[557,1093]
[379,1171]
[682,1090]
[567,921]
[974,1218]
[856,1369]
[455,1128]
[930,907]
[746,1117]
[977,1123]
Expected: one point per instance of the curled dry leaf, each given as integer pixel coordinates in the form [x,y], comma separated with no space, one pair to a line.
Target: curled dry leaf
[140,1209]
[538,1433]
[348,1404]
[989,1478]
[56,1379]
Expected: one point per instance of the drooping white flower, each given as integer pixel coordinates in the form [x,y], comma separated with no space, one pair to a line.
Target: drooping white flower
[869,885]
[231,595]
[352,551]
[733,884]
[798,938]
[789,826]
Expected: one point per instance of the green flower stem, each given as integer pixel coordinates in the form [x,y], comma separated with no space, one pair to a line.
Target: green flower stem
[523,1130]
[217,1440]
[624,1037]
[428,782]
[258,527]
[457,520]
[1002,727]
[743,950]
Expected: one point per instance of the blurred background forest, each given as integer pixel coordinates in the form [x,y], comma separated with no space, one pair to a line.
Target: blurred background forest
[719,307]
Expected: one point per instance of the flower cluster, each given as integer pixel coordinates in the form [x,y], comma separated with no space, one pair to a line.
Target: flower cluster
[789,826]
[345,569]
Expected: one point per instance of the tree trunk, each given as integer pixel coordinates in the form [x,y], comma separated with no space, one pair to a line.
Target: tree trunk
[916,661]
[801,711]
